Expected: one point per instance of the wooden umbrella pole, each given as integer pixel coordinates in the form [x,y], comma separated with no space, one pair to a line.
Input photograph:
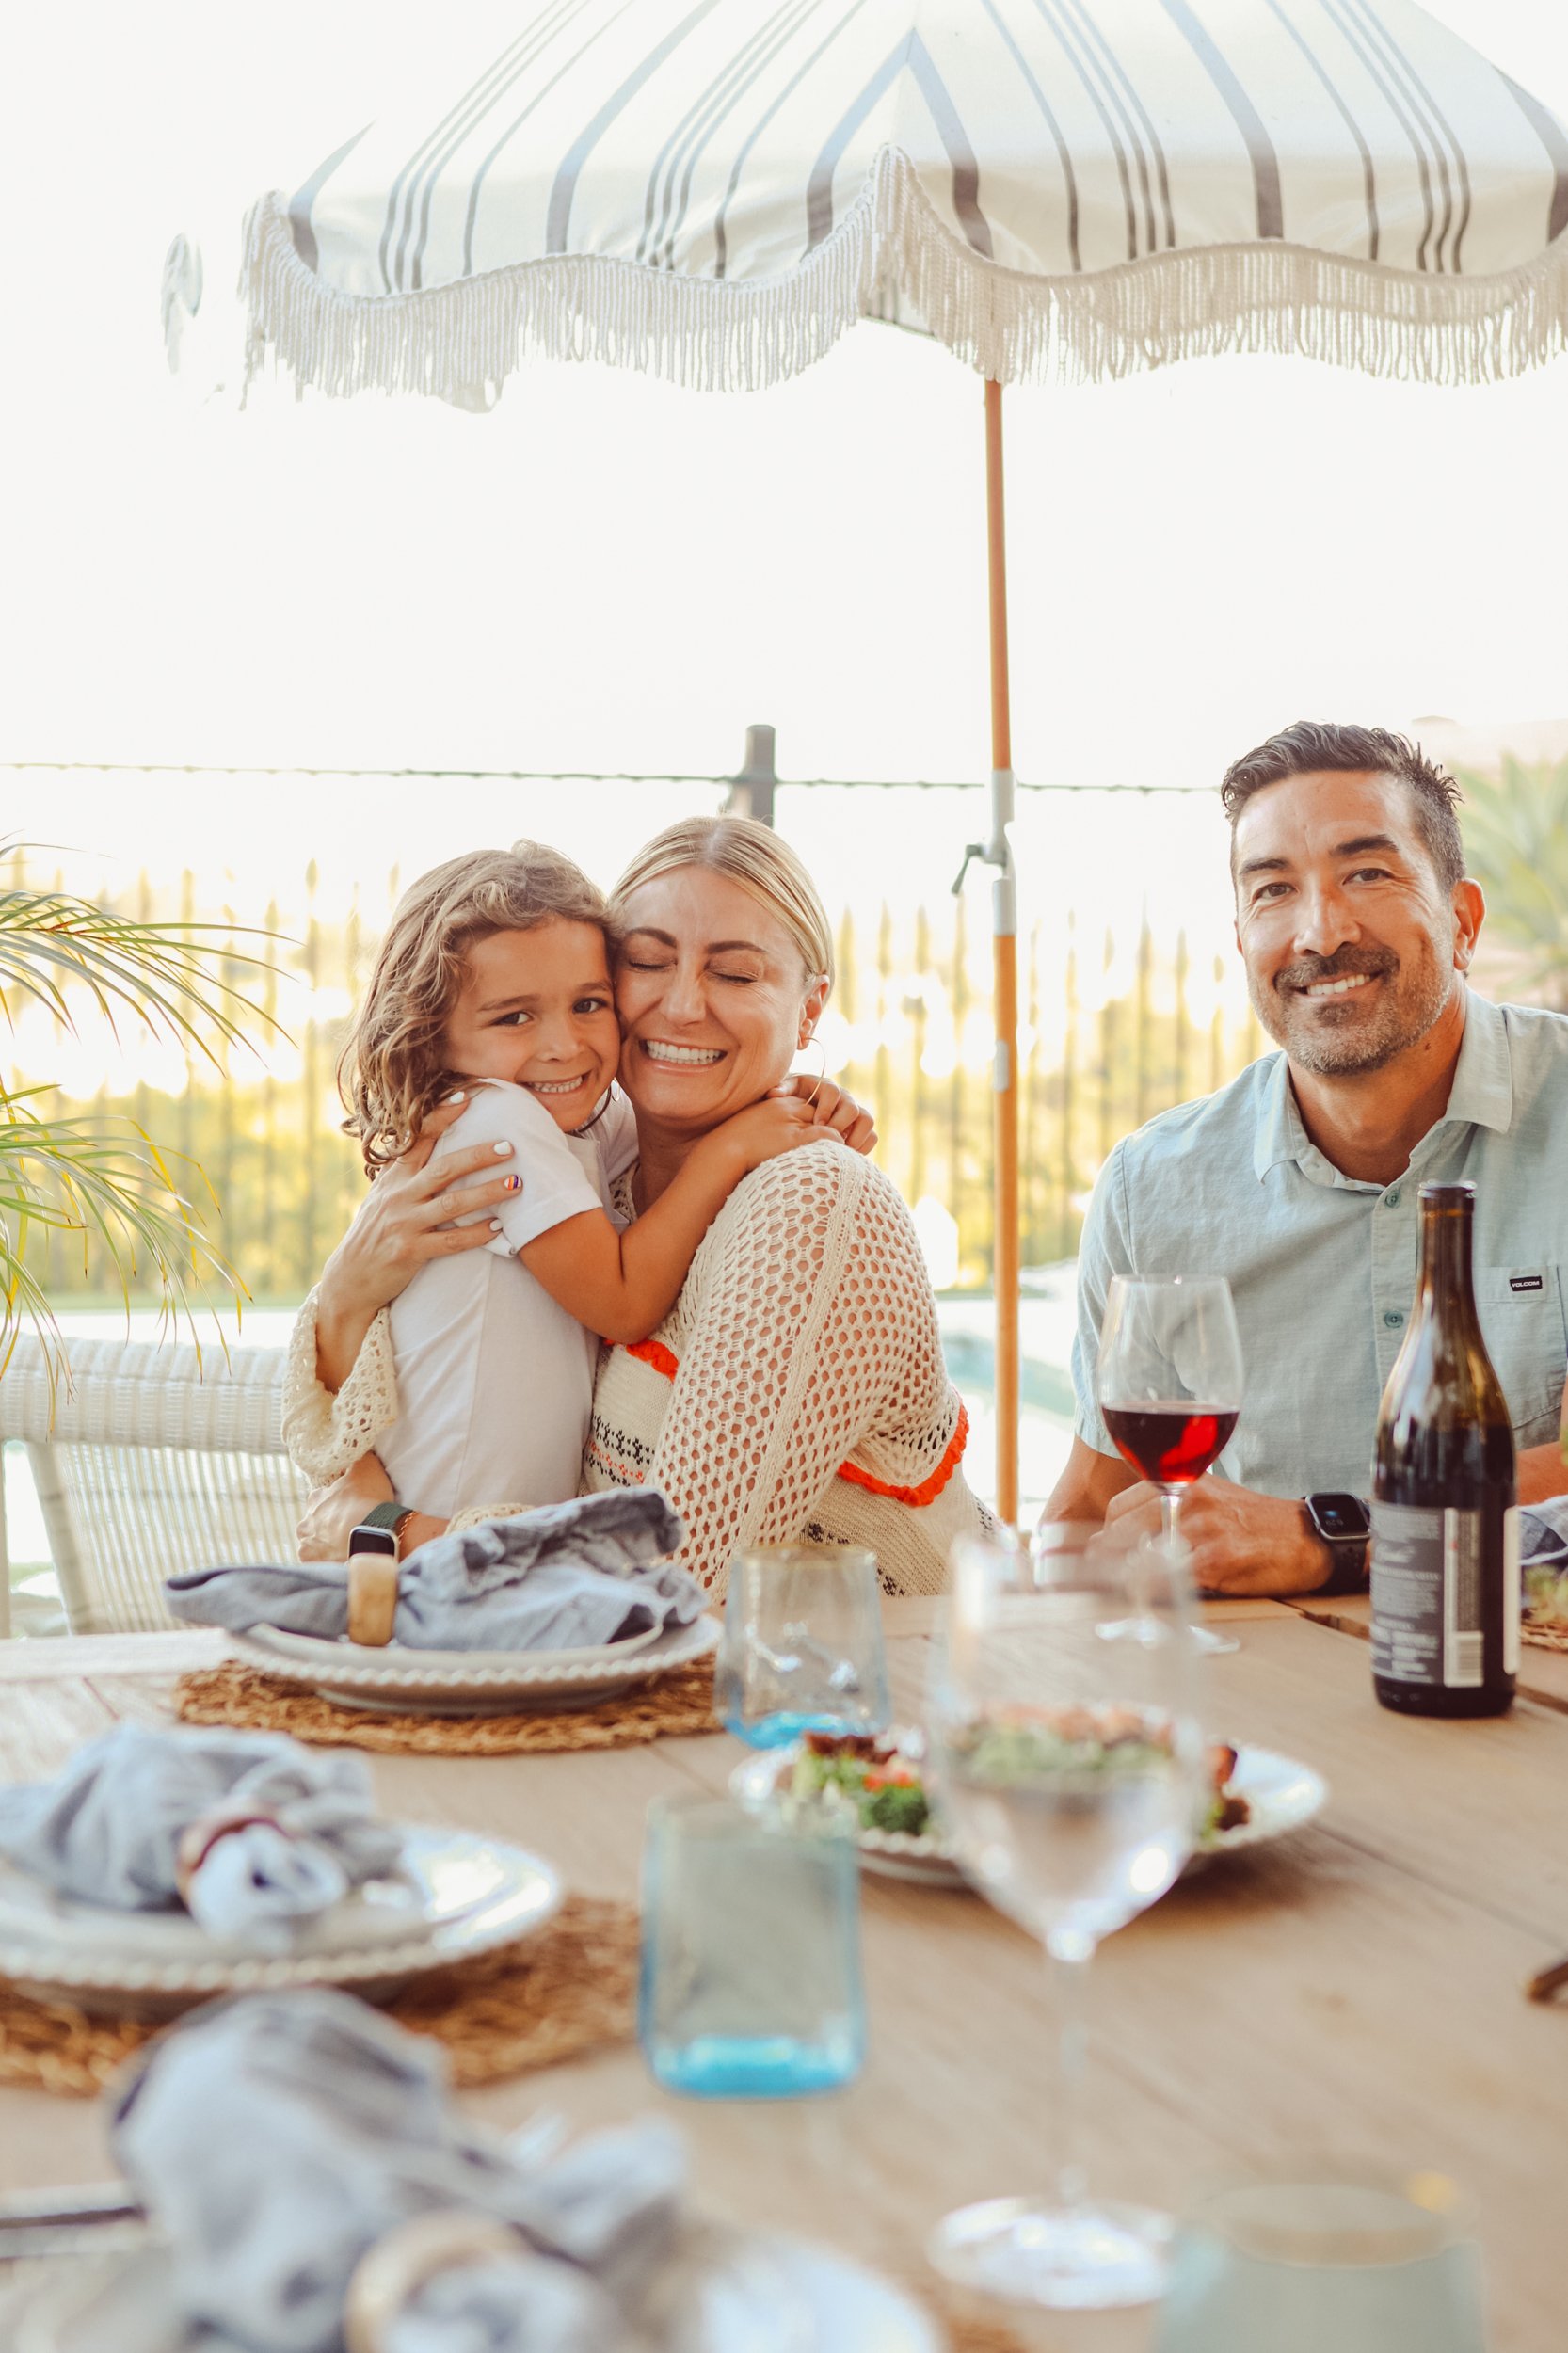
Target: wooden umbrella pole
[1005,984]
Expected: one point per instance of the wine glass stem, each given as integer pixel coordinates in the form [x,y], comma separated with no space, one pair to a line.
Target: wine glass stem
[1068,1959]
[1170,1507]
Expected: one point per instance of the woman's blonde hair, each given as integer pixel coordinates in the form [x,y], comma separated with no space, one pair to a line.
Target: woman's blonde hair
[747,854]
[394,1070]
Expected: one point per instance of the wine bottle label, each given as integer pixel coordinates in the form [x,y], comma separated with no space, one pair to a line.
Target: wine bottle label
[1427,1595]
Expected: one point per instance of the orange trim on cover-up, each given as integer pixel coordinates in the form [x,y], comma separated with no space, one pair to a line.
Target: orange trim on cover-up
[929,1489]
[664,1360]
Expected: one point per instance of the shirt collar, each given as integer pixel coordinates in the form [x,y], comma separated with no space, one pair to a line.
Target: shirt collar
[1482,1091]
[1280,1133]
[1481,1094]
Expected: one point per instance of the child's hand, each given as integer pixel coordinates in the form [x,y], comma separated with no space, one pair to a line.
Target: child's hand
[832,1107]
[761,1132]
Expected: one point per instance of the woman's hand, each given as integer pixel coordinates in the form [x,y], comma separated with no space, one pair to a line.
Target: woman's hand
[400,1226]
[334,1513]
[831,1106]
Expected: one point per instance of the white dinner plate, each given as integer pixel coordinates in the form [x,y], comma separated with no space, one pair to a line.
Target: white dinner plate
[816,2302]
[469,1682]
[452,1894]
[1280,1794]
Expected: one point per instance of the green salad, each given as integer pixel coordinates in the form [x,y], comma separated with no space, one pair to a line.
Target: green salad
[873,1773]
[880,1776]
[1547,1597]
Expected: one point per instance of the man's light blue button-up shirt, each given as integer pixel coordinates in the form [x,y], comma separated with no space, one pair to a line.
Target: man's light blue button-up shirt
[1322,1266]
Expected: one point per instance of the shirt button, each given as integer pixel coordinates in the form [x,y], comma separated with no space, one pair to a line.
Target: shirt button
[1391,1200]
[1392,1317]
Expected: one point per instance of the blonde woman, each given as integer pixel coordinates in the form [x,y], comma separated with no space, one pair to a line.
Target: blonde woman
[796,1388]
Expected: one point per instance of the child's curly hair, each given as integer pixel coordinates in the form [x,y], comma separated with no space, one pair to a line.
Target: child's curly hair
[392,1072]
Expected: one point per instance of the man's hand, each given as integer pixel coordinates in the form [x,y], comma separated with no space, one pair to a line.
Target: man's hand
[1240,1543]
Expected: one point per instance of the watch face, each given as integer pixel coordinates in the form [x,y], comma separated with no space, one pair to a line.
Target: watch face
[1340,1515]
[382,1540]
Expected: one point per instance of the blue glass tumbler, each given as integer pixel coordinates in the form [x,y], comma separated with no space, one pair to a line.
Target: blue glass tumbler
[750,1985]
[802,1648]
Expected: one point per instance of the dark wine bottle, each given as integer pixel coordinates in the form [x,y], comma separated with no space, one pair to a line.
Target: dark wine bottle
[1445,1518]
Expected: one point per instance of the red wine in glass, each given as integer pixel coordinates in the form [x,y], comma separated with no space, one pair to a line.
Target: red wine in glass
[1171,1445]
[1169,1386]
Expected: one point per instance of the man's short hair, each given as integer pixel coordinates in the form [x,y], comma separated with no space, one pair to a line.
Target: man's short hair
[1313,745]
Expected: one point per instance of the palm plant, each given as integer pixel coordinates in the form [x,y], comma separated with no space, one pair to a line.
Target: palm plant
[1516,846]
[105,1181]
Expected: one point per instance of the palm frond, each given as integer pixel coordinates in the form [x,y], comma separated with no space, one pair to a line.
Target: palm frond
[1516,846]
[165,975]
[105,1183]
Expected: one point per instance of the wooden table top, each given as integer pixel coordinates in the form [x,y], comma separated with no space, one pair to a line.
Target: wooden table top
[1352,1991]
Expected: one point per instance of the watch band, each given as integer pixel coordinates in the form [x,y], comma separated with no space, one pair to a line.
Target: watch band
[391,1514]
[1350,1558]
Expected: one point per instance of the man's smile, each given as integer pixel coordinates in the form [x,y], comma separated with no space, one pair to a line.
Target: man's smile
[1338,988]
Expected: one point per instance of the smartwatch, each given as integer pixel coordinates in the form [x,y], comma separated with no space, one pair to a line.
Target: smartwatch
[1345,1525]
[381,1529]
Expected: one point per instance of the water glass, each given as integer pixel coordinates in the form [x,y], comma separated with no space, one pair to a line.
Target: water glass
[802,1648]
[750,1984]
[1068,1758]
[1301,2261]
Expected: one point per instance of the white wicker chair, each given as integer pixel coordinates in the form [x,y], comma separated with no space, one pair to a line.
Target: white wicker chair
[148,1459]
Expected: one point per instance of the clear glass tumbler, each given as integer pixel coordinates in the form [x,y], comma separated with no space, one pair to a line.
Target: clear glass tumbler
[1305,2260]
[750,1985]
[802,1648]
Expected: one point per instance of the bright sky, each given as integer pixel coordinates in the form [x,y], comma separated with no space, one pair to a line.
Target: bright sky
[608,573]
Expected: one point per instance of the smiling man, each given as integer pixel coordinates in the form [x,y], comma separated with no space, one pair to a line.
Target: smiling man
[1299,1181]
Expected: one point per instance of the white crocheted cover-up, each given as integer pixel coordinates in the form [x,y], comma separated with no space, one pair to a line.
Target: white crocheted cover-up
[796,1390]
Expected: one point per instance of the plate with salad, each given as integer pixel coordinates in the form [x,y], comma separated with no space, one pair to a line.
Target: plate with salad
[1256,1796]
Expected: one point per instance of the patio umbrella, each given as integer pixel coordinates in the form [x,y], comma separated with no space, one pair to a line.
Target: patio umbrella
[715,190]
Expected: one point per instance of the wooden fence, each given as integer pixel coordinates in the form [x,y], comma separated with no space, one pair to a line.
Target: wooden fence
[1115,1027]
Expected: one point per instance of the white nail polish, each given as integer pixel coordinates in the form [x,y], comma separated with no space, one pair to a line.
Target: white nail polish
[502,1151]
[459,1097]
[495,1225]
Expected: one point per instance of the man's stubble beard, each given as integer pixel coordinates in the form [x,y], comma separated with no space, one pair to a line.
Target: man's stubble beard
[1413,1003]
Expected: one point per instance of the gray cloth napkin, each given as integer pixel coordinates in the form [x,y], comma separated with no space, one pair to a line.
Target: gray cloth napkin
[1543,1533]
[274,2140]
[564,1578]
[108,1827]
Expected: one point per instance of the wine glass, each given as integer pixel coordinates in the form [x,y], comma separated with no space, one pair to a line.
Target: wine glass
[1067,1759]
[1168,1383]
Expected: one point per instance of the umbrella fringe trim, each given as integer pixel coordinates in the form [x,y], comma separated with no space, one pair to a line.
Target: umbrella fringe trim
[890,252]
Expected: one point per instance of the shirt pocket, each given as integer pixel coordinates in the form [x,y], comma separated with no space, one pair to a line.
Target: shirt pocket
[1527,1339]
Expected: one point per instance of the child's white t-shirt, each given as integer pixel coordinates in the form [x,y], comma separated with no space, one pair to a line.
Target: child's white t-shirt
[494,1379]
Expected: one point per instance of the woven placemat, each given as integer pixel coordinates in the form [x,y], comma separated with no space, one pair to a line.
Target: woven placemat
[678,1702]
[1544,1636]
[565,1990]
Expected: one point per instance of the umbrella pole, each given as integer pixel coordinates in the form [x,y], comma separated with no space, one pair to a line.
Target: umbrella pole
[1004,927]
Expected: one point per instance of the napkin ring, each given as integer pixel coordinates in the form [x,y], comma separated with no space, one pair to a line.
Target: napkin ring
[391,2274]
[372,1598]
[197,1839]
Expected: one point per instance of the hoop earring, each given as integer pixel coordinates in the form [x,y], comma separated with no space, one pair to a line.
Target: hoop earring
[817,1078]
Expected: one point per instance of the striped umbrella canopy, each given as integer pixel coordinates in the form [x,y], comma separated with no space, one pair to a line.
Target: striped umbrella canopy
[715,190]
